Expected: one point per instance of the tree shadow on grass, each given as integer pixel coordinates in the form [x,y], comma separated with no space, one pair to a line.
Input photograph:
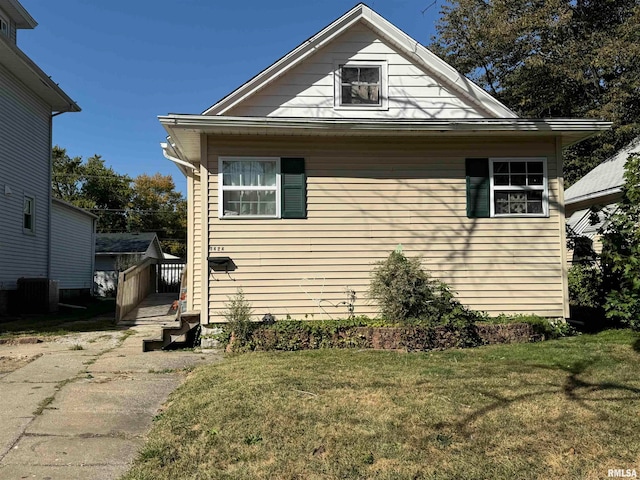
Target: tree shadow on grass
[574,389]
[636,345]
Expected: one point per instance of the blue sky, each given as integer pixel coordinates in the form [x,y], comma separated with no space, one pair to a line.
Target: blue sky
[126,62]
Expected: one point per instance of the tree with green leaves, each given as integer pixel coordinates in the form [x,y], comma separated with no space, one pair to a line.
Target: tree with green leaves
[148,203]
[109,194]
[621,252]
[67,176]
[93,186]
[553,58]
[157,207]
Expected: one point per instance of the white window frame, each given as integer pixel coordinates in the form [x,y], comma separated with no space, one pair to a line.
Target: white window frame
[228,188]
[5,26]
[544,188]
[384,84]
[32,199]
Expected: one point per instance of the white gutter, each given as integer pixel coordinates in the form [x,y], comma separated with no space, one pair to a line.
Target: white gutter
[590,196]
[175,160]
[510,124]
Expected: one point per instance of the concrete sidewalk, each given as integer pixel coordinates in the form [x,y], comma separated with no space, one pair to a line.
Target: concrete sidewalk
[82,407]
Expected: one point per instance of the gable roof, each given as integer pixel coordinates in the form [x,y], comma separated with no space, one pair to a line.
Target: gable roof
[114,243]
[605,180]
[184,131]
[420,56]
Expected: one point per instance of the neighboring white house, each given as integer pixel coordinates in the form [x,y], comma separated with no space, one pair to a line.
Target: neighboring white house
[602,185]
[116,252]
[593,199]
[29,100]
[73,240]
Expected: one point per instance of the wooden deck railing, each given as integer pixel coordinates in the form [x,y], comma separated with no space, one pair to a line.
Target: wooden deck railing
[134,284]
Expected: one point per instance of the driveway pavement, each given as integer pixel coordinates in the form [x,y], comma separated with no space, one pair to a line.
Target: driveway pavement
[79,407]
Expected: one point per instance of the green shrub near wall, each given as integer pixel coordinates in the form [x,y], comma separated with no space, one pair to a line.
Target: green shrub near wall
[361,332]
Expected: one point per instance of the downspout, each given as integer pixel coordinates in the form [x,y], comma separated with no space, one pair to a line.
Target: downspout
[49,203]
[175,160]
[94,224]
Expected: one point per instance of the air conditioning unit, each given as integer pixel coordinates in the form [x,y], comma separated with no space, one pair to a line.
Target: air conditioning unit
[37,295]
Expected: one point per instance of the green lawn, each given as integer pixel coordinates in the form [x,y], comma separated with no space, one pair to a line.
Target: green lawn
[566,408]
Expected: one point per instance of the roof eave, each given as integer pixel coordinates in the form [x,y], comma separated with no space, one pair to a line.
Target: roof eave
[18,14]
[590,197]
[183,129]
[421,55]
[73,207]
[292,58]
[33,77]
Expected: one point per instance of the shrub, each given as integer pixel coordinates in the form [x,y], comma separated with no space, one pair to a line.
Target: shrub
[405,292]
[585,285]
[621,252]
[238,315]
[548,328]
[401,287]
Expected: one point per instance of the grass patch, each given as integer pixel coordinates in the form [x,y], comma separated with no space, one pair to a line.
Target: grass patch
[63,322]
[44,404]
[560,409]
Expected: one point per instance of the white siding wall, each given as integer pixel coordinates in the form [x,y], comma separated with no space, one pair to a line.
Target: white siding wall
[308,89]
[24,169]
[366,196]
[72,247]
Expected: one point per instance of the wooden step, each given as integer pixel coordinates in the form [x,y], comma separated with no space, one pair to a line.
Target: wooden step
[173,337]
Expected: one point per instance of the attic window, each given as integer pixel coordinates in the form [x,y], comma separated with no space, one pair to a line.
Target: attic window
[361,85]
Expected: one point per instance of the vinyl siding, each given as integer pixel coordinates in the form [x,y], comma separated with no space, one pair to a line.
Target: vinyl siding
[72,247]
[195,263]
[366,196]
[24,170]
[308,89]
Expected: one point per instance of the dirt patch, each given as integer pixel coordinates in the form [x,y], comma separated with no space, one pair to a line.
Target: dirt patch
[10,364]
[81,341]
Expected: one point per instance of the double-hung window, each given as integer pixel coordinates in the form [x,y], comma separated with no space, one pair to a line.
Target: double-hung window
[507,187]
[261,187]
[249,187]
[29,215]
[518,186]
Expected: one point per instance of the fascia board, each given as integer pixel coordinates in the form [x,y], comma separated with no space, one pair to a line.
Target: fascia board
[33,77]
[73,207]
[18,14]
[178,121]
[435,65]
[412,48]
[594,195]
[290,60]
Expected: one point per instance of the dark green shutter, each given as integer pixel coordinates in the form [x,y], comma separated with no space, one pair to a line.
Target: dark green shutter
[294,188]
[478,194]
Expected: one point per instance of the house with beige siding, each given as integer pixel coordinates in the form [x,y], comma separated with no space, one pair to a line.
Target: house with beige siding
[355,142]
[29,101]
